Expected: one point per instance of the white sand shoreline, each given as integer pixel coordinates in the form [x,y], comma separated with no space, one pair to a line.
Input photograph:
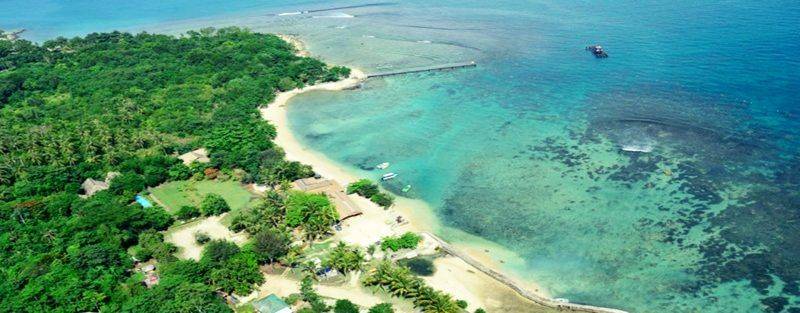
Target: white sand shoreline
[417,212]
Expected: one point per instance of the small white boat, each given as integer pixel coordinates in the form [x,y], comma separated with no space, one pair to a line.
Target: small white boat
[388,176]
[382,166]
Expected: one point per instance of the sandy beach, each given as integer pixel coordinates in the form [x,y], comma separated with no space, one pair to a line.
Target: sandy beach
[477,288]
[473,272]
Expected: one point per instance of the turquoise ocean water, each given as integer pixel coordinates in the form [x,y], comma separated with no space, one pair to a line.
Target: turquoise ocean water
[665,178]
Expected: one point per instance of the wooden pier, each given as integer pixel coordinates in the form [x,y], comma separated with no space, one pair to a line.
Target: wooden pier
[448,66]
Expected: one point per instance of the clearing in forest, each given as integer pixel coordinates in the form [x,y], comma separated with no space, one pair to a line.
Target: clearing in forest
[176,194]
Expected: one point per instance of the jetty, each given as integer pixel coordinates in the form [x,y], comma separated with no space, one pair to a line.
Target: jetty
[522,291]
[440,67]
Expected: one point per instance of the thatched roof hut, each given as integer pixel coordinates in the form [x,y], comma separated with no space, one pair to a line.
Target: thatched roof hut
[344,205]
[199,155]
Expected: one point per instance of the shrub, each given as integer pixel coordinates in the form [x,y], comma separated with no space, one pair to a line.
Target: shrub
[408,240]
[383,199]
[480,310]
[314,213]
[382,308]
[311,296]
[462,304]
[211,173]
[217,251]
[127,185]
[187,212]
[345,306]
[238,274]
[420,266]
[345,259]
[214,204]
[271,244]
[152,245]
[364,187]
[179,172]
[201,238]
[292,298]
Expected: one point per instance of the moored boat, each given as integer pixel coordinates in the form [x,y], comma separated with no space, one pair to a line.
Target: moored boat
[388,176]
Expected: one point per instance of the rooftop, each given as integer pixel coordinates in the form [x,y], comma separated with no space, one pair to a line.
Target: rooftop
[344,205]
[271,304]
[199,155]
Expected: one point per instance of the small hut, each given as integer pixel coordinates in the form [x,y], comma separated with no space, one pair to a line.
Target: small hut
[199,155]
[271,304]
[343,204]
[91,186]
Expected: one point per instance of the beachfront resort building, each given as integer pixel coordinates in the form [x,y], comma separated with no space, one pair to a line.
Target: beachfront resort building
[199,155]
[344,205]
[271,304]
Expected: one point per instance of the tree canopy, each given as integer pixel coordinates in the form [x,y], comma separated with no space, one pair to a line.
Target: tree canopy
[72,109]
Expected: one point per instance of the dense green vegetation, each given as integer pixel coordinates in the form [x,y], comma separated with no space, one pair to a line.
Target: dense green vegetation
[314,213]
[345,306]
[72,109]
[368,189]
[214,204]
[345,259]
[400,282]
[408,240]
[422,266]
[310,296]
[382,308]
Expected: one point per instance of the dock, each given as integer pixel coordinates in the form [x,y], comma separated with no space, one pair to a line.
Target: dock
[449,66]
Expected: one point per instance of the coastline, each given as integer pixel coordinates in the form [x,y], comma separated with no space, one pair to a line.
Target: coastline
[473,259]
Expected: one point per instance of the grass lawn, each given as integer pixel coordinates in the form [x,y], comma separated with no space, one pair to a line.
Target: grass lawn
[176,194]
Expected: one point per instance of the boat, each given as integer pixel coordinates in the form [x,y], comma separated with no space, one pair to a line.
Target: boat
[407,188]
[598,51]
[388,176]
[382,166]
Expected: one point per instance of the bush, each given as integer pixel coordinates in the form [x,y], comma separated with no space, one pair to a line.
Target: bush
[214,204]
[314,213]
[364,187]
[382,308]
[383,199]
[292,298]
[179,172]
[345,306]
[462,304]
[217,251]
[201,238]
[311,296]
[152,245]
[239,274]
[187,212]
[344,259]
[480,310]
[408,240]
[127,185]
[271,244]
[419,265]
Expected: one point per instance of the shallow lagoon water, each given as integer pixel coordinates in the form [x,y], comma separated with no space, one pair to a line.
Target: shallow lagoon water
[662,179]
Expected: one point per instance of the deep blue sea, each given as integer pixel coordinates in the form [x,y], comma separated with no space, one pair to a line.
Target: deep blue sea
[665,178]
